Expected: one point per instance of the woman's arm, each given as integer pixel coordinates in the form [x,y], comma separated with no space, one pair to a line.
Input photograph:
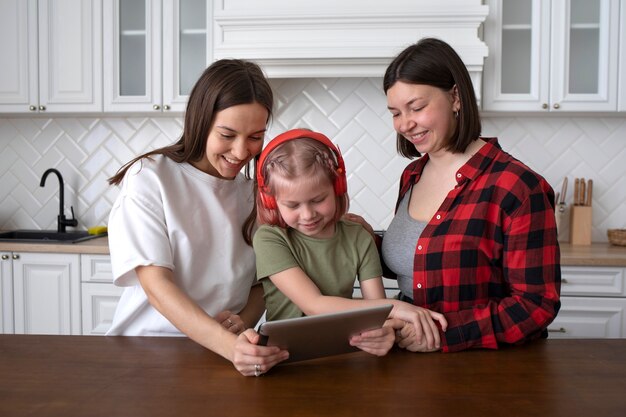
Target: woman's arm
[193,321]
[531,269]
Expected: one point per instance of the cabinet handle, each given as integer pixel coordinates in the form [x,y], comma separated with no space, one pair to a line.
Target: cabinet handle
[544,106]
[166,107]
[32,108]
[556,106]
[42,108]
[16,256]
[156,107]
[5,257]
[559,330]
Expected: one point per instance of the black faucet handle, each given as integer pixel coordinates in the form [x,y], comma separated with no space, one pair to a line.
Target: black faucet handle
[71,222]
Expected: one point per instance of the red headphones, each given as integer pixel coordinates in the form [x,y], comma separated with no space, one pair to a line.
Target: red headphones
[340,185]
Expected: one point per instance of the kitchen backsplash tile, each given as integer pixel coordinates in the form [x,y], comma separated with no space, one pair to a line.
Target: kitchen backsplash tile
[352,111]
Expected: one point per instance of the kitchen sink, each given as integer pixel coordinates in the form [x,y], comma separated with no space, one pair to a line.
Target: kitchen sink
[46,236]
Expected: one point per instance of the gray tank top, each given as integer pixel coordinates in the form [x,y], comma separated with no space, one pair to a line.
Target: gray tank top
[398,248]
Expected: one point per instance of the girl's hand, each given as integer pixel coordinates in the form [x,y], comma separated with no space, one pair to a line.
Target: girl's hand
[423,321]
[253,360]
[230,321]
[377,342]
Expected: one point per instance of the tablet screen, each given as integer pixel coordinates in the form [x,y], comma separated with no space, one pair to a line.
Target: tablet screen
[321,335]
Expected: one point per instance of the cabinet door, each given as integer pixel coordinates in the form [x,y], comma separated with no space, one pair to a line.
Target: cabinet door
[70,55]
[584,50]
[132,55]
[187,48]
[6,292]
[587,317]
[517,69]
[552,55]
[46,293]
[98,307]
[18,49]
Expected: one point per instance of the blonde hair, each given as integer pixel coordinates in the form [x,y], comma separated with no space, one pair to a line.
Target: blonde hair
[301,158]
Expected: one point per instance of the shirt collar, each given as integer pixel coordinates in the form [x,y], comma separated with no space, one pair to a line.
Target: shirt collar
[479,161]
[469,171]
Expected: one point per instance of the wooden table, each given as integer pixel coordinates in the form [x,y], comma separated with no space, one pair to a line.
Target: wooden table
[123,376]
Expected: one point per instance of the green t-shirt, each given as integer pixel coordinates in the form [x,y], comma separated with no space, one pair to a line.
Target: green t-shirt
[332,264]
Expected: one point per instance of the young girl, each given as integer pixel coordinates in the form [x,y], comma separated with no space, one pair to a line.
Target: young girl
[179,232]
[307,256]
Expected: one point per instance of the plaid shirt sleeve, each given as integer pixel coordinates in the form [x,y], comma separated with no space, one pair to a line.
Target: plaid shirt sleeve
[489,259]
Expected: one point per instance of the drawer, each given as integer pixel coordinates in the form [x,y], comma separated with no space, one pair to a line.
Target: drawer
[96,268]
[589,317]
[592,281]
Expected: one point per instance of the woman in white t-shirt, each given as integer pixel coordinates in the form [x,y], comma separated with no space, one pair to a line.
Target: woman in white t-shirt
[180,230]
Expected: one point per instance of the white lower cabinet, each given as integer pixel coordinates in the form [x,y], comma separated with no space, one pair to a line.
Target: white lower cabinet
[56,293]
[46,293]
[593,303]
[99,295]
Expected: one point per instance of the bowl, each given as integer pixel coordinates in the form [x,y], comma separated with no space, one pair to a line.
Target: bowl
[617,236]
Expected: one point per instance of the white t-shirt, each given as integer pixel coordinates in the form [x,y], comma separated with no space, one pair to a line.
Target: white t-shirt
[173,215]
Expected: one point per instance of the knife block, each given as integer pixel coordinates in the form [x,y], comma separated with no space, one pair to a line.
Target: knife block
[580,227]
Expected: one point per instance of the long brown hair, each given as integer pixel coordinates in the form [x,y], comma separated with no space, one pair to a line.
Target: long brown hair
[433,62]
[225,83]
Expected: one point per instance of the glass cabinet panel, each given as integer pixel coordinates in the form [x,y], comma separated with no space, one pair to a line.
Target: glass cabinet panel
[192,41]
[516,46]
[132,48]
[584,46]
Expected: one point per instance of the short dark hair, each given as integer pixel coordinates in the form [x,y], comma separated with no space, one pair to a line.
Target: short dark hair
[433,62]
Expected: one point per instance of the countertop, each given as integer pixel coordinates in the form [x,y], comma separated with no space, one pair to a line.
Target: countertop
[596,254]
[99,245]
[143,376]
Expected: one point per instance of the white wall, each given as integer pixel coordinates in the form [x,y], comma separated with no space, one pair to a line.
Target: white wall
[352,111]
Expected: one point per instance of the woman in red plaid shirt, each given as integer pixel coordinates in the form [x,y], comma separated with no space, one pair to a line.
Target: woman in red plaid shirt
[474,233]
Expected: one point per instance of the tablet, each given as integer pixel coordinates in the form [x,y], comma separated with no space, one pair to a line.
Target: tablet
[321,335]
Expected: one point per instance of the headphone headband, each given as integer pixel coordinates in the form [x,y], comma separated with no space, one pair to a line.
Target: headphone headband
[340,184]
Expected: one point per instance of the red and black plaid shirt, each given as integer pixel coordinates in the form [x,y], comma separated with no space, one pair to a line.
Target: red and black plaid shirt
[489,259]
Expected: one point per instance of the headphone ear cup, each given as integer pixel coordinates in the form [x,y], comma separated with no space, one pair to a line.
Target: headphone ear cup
[341,184]
[268,201]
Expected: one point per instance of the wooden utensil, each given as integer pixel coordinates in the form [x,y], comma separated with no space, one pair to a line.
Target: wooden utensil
[589,192]
[581,193]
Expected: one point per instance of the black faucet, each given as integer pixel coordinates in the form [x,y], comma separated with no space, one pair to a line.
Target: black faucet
[62,221]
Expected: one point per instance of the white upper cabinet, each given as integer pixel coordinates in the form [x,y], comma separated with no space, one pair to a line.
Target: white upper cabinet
[51,56]
[551,55]
[154,51]
[622,59]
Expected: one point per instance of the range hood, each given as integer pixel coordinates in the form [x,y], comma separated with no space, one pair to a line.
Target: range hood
[343,38]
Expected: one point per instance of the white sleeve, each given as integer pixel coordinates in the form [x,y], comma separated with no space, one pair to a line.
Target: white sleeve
[138,235]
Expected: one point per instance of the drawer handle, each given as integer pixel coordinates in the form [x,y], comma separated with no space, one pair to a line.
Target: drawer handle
[559,330]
